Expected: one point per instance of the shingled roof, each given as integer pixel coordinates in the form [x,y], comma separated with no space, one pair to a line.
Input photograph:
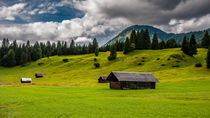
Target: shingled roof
[135,77]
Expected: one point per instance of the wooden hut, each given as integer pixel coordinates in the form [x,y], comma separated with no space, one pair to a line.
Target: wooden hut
[25,80]
[127,80]
[102,79]
[38,75]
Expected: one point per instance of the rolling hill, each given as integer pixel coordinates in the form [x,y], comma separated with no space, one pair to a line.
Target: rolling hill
[161,34]
[70,89]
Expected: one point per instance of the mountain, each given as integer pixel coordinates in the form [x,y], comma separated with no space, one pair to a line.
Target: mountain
[161,34]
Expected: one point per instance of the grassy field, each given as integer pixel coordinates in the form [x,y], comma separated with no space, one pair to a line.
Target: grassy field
[71,89]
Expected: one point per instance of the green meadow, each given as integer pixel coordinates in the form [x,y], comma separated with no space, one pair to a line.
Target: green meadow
[70,90]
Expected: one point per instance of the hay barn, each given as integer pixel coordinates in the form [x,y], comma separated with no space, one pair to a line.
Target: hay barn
[25,80]
[38,75]
[128,80]
[102,79]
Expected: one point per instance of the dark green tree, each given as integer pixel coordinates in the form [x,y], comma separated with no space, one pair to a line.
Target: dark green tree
[205,40]
[96,52]
[9,59]
[171,43]
[162,45]
[59,48]
[24,55]
[155,44]
[48,49]
[126,46]
[113,53]
[28,46]
[147,42]
[185,45]
[72,47]
[193,45]
[133,37]
[95,44]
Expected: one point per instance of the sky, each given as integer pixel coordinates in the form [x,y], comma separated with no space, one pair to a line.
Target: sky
[83,20]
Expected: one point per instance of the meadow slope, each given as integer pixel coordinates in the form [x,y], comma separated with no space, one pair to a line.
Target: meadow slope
[71,89]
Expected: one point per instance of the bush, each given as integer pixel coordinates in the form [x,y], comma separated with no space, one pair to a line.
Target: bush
[40,64]
[158,59]
[111,58]
[139,63]
[65,60]
[95,59]
[97,65]
[198,65]
[175,65]
[163,64]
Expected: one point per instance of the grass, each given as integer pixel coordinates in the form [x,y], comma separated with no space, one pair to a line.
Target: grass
[71,89]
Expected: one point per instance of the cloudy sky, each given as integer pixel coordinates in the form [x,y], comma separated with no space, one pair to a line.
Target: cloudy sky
[82,20]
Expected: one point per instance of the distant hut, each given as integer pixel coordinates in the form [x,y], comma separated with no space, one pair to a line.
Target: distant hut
[26,80]
[38,75]
[126,80]
[102,79]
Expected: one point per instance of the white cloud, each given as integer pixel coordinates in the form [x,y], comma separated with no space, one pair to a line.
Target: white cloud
[9,13]
[83,40]
[183,26]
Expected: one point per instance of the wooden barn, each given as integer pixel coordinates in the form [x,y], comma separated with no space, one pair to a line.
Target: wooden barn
[38,75]
[128,80]
[25,80]
[102,79]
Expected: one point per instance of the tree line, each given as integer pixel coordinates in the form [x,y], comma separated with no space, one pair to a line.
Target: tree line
[14,54]
[19,54]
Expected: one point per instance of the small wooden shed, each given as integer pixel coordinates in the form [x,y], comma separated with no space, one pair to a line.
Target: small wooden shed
[128,80]
[38,75]
[25,80]
[102,79]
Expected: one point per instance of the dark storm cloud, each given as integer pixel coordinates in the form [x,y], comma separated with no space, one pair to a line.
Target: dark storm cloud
[157,12]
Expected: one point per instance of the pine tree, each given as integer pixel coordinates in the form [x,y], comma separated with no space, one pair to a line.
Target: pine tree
[192,45]
[162,45]
[96,52]
[24,58]
[185,45]
[24,55]
[95,44]
[208,58]
[72,47]
[171,43]
[141,40]
[155,42]
[28,46]
[48,49]
[113,53]
[205,40]
[59,48]
[147,42]
[90,48]
[133,37]
[126,46]
[11,58]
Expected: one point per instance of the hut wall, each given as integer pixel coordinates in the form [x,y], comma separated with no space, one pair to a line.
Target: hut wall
[115,85]
[137,85]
